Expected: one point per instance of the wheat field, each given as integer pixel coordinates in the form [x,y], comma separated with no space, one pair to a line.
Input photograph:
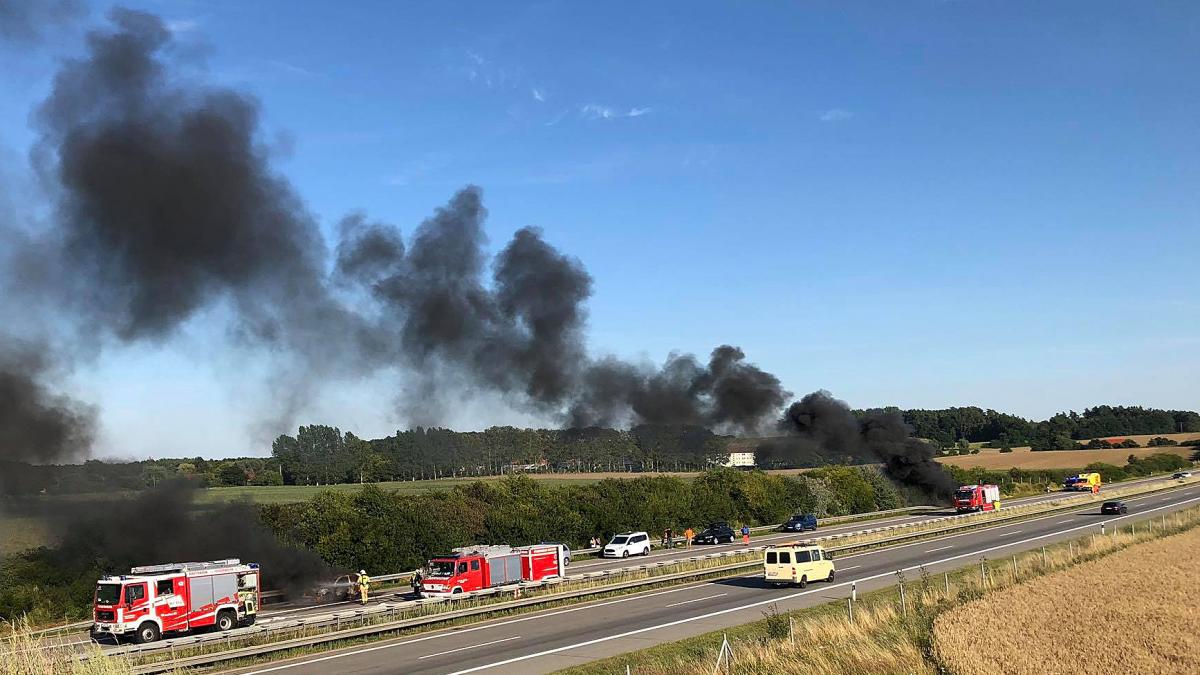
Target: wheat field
[1133,611]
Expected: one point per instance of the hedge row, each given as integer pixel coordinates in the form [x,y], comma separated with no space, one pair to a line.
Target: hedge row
[387,531]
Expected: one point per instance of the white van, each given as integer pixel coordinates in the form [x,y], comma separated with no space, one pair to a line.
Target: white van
[627,544]
[797,563]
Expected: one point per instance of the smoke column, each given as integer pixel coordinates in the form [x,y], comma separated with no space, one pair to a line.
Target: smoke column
[174,531]
[167,206]
[37,425]
[822,426]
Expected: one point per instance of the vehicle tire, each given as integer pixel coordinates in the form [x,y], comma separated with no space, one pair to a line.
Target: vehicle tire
[830,579]
[646,551]
[147,632]
[226,620]
[625,554]
[456,592]
[804,581]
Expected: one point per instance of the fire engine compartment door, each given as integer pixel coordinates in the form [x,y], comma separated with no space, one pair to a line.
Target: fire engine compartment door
[202,593]
[505,569]
[225,588]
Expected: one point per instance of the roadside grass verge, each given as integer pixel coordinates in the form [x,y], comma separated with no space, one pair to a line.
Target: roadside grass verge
[886,636]
[23,653]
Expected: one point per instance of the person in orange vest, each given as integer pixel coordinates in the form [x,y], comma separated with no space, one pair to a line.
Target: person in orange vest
[687,535]
[745,534]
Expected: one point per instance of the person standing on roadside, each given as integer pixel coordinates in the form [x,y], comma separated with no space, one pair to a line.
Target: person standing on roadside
[745,534]
[687,536]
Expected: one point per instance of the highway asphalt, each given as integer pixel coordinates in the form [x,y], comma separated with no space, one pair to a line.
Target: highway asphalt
[552,639]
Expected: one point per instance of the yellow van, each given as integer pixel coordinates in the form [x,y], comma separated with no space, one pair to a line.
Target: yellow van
[797,563]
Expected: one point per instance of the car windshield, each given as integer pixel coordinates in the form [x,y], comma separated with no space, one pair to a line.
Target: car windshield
[619,540]
[441,568]
[108,594]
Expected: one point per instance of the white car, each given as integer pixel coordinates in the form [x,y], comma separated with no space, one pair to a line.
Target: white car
[627,544]
[1182,474]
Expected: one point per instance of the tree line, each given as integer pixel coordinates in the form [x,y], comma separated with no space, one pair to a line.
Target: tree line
[322,455]
[1063,431]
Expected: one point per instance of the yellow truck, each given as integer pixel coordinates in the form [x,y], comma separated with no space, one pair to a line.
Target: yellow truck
[1084,482]
[797,563]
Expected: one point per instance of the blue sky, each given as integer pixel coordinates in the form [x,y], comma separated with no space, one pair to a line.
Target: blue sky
[924,203]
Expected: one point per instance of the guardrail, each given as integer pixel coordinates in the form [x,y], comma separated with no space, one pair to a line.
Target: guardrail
[362,616]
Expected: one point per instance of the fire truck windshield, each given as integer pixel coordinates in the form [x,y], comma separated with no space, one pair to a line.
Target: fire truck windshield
[108,594]
[965,494]
[441,568]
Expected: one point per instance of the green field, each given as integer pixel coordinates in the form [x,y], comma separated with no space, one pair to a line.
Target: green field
[296,493]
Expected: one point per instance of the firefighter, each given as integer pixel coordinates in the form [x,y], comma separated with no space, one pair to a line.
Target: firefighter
[416,583]
[364,585]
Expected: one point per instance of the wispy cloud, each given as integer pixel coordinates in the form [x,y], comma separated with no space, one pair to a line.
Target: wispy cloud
[595,111]
[835,115]
[421,170]
[557,118]
[292,68]
[538,95]
[179,26]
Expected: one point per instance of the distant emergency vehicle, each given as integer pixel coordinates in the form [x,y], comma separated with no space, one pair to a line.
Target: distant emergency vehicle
[474,568]
[977,498]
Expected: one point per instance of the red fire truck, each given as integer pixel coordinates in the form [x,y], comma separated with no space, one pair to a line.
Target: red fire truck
[475,568]
[155,599]
[977,498]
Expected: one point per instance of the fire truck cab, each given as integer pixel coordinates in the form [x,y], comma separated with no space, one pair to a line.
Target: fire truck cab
[157,599]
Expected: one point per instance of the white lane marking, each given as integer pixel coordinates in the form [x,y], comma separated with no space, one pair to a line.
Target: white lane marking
[463,649]
[532,617]
[852,567]
[1068,520]
[769,601]
[472,629]
[941,548]
[688,602]
[1016,532]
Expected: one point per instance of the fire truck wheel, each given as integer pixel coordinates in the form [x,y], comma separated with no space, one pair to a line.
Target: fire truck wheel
[226,621]
[147,632]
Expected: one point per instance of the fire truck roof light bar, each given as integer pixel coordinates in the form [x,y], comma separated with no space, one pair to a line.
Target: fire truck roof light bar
[185,566]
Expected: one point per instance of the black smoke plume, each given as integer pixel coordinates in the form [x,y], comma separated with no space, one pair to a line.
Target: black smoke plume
[163,525]
[36,424]
[821,429]
[523,334]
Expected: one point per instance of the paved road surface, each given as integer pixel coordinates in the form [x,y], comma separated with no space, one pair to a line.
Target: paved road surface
[556,638]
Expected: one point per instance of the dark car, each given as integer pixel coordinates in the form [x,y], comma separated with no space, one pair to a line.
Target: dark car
[800,523]
[715,534]
[1114,507]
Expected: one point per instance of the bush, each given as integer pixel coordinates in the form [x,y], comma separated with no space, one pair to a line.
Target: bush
[1159,441]
[1006,449]
[267,478]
